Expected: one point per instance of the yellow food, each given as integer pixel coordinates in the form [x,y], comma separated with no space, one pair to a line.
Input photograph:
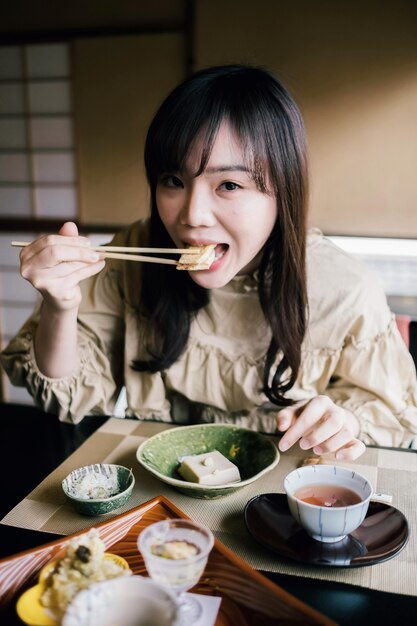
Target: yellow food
[83,564]
[201,260]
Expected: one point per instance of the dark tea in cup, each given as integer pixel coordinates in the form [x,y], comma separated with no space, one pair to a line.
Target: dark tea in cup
[327,495]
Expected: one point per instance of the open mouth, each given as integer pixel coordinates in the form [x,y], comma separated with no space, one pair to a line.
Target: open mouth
[202,256]
[219,251]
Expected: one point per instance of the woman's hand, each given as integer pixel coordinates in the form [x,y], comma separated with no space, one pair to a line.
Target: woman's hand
[55,265]
[322,426]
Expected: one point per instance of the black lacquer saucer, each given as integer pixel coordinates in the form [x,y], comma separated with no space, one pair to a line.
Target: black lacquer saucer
[383,534]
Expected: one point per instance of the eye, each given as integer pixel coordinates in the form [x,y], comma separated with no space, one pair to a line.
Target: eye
[171,181]
[229,186]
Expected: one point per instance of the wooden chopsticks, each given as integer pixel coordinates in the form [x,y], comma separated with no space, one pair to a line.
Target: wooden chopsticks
[157,250]
[134,257]
[126,253]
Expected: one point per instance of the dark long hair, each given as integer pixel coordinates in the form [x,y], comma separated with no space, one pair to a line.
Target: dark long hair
[269,126]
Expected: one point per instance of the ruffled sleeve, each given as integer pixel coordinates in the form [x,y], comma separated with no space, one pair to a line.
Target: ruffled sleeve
[93,386]
[375,379]
[354,351]
[89,389]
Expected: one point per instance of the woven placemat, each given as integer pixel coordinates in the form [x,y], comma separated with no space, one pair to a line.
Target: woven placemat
[390,471]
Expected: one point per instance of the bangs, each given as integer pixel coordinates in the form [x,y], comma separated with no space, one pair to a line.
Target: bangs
[193,116]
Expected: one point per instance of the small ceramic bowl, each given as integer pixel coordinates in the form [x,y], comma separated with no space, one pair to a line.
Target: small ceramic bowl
[329,523]
[132,601]
[98,489]
[253,453]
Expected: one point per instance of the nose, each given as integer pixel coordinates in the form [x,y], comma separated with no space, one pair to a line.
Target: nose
[198,209]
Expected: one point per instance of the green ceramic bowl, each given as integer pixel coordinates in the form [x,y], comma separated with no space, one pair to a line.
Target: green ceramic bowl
[98,489]
[253,453]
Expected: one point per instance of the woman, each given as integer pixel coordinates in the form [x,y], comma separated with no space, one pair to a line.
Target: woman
[284,332]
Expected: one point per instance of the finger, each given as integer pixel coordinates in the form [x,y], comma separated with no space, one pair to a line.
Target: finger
[69,274]
[47,241]
[329,425]
[71,261]
[52,256]
[333,442]
[62,290]
[88,270]
[68,229]
[351,451]
[312,413]
[287,417]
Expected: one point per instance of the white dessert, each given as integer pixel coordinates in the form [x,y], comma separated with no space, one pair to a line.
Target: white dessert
[200,260]
[174,550]
[209,468]
[95,485]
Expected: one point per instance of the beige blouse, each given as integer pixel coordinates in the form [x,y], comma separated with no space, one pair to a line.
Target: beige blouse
[352,352]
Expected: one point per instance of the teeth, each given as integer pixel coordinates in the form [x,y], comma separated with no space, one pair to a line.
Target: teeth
[218,255]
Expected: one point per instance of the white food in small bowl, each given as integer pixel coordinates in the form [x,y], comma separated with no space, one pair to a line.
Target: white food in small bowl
[94,485]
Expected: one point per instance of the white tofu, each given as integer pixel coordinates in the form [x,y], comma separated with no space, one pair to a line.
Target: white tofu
[209,468]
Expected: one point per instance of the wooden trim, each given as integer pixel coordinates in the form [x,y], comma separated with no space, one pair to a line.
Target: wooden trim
[189,36]
[27,108]
[67,35]
[25,225]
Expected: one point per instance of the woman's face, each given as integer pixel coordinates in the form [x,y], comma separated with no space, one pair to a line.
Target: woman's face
[221,206]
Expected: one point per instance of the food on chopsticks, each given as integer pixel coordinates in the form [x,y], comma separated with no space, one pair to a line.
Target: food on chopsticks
[201,259]
[209,468]
[192,258]
[85,563]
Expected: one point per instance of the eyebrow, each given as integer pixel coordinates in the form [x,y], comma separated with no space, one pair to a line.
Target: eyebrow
[226,168]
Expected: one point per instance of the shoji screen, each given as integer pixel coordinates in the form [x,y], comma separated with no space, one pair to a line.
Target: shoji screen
[37,164]
[37,171]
